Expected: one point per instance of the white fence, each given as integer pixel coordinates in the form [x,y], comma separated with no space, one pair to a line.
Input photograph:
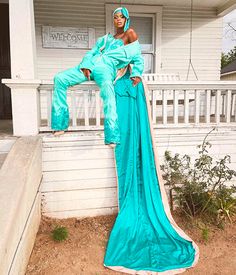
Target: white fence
[173,103]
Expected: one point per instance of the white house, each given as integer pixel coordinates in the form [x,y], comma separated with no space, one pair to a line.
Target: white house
[74,175]
[229,71]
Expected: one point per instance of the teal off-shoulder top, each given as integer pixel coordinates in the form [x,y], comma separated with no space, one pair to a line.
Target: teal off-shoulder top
[114,50]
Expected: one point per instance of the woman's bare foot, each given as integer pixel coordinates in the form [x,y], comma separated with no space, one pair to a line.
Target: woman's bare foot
[112,145]
[58,133]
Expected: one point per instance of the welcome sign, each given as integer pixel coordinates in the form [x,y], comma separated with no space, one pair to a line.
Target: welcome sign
[67,37]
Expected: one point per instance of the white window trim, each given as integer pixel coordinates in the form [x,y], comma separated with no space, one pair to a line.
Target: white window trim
[156,10]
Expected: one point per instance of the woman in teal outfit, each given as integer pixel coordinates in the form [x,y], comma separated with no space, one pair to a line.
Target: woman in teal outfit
[101,65]
[144,239]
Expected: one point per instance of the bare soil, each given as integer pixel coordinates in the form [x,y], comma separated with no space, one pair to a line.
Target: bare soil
[83,252]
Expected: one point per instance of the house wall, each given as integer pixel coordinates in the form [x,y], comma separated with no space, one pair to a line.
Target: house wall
[206,44]
[231,76]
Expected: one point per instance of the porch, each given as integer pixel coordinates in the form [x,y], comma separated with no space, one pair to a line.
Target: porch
[78,170]
[74,175]
[174,103]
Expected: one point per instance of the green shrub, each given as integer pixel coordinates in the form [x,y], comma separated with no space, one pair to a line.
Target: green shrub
[205,234]
[198,188]
[59,233]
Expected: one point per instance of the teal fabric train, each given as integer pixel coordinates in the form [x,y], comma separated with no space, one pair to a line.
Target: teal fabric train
[144,239]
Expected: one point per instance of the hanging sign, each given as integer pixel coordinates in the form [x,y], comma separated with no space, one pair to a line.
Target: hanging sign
[67,37]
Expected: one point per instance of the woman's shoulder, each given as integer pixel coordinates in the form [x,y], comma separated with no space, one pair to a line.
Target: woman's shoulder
[132,35]
[130,30]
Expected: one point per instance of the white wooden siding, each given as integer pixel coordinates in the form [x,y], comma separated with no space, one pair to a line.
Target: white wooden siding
[65,13]
[206,44]
[207,34]
[79,177]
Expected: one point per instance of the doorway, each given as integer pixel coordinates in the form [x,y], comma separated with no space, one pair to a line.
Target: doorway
[5,63]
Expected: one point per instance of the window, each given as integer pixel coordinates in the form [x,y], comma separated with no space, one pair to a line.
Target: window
[144,26]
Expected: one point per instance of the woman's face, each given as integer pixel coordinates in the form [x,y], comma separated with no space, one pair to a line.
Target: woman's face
[119,20]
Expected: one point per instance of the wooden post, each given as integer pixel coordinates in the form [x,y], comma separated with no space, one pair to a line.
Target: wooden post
[24,93]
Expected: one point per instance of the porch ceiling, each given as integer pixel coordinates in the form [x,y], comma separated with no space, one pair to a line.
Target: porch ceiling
[222,6]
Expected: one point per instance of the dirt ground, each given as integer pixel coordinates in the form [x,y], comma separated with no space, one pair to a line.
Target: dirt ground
[82,253]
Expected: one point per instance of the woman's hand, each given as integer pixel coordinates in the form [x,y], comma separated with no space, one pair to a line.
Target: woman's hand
[86,72]
[136,80]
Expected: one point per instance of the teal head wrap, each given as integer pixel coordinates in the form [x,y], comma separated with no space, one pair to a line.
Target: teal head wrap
[125,12]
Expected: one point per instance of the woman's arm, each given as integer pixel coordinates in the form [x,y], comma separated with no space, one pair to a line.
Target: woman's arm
[137,61]
[86,61]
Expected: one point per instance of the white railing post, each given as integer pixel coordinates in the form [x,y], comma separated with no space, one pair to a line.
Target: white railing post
[186,106]
[98,108]
[25,106]
[228,105]
[23,39]
[235,112]
[164,107]
[73,108]
[197,106]
[86,113]
[154,107]
[24,93]
[218,106]
[175,105]
[207,106]
[49,107]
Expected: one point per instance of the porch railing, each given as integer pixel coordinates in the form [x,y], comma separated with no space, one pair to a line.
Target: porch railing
[173,104]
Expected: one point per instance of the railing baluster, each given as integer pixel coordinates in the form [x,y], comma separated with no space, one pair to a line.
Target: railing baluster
[73,107]
[197,106]
[86,114]
[223,96]
[208,106]
[154,94]
[39,107]
[98,106]
[164,106]
[234,103]
[186,106]
[187,93]
[218,106]
[175,105]
[228,104]
[49,107]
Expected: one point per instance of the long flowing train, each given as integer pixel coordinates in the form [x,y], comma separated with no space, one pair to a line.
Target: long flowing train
[144,239]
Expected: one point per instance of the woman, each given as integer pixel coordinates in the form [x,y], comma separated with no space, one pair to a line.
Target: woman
[101,64]
[145,238]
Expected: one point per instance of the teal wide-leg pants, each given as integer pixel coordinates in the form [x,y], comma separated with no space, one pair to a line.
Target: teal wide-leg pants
[104,76]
